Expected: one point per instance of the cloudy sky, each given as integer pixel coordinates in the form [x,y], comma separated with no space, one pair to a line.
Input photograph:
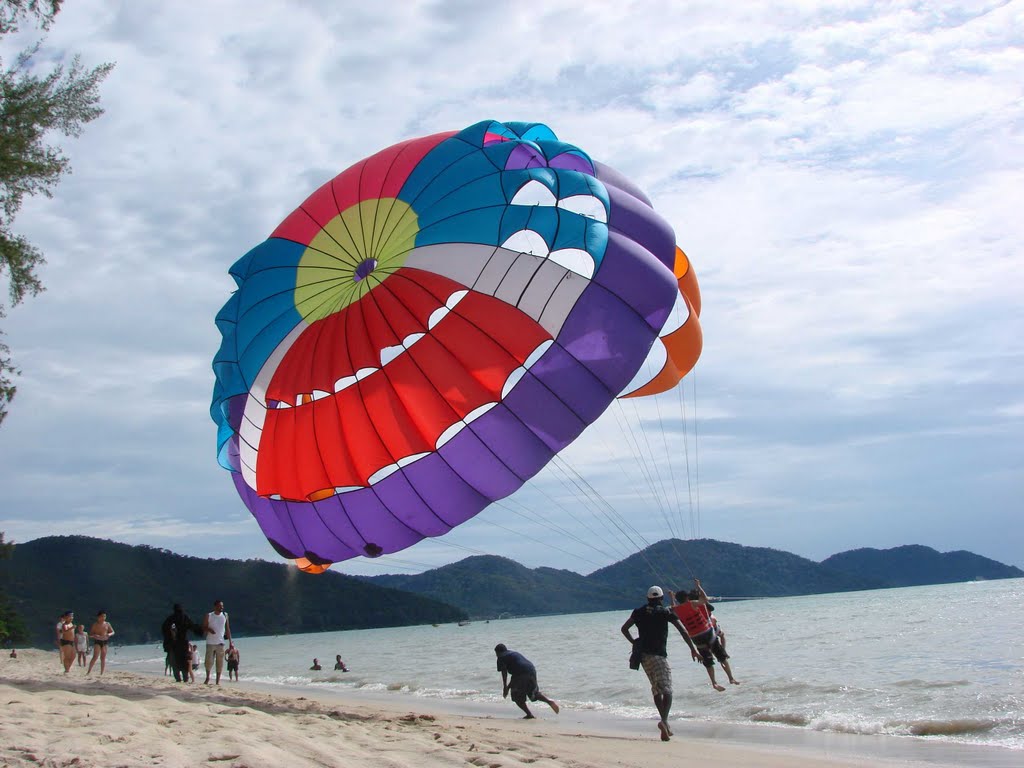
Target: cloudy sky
[846,177]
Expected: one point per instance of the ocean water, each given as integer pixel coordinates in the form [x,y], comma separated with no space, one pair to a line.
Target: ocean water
[938,663]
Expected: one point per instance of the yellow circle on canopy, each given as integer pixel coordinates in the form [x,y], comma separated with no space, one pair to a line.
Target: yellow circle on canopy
[352,253]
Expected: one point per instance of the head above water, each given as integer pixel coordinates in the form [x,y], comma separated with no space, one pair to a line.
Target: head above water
[500,648]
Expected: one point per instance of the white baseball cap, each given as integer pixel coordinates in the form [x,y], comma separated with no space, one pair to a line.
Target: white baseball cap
[655,591]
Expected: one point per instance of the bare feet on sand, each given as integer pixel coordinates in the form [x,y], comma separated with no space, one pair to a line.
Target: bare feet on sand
[734,682]
[555,707]
[666,733]
[718,687]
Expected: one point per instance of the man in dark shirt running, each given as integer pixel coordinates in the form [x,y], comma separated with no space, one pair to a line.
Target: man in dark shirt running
[524,680]
[175,631]
[651,622]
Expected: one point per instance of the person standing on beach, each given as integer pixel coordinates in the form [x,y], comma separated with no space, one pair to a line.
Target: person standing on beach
[175,631]
[692,611]
[234,659]
[523,684]
[100,633]
[216,629]
[651,622]
[81,644]
[66,639]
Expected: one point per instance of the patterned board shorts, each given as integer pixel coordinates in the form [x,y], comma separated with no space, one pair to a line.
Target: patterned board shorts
[659,673]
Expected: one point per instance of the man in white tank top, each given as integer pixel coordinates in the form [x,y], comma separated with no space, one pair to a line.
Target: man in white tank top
[216,629]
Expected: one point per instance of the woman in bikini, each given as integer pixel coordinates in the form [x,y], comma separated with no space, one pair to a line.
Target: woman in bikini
[66,639]
[100,632]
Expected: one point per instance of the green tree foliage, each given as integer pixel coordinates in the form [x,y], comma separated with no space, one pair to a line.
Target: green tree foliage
[11,627]
[33,106]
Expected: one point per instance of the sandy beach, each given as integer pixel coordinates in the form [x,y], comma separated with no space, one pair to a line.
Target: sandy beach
[127,719]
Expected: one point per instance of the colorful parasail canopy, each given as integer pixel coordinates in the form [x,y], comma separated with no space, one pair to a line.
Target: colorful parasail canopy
[430,327]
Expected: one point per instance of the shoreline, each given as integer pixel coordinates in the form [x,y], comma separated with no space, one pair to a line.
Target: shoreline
[135,719]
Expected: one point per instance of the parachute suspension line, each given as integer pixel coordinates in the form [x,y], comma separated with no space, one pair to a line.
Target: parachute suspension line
[678,507]
[617,519]
[674,537]
[686,448]
[510,503]
[626,428]
[696,450]
[412,568]
[581,520]
[650,452]
[528,536]
[597,502]
[671,469]
[562,474]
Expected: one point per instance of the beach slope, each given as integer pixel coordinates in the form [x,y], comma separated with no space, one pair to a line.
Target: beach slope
[126,719]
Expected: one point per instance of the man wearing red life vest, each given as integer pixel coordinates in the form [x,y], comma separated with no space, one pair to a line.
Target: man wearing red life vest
[692,611]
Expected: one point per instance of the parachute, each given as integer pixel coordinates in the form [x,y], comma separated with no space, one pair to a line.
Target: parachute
[429,328]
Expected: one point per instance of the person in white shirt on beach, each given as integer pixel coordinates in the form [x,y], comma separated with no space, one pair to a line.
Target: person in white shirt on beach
[216,629]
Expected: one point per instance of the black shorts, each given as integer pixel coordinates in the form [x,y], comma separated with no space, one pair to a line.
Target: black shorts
[524,687]
[232,666]
[710,648]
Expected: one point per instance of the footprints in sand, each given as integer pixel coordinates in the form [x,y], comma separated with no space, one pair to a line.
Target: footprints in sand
[144,722]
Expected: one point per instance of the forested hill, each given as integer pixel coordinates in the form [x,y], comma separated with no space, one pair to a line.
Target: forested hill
[913,565]
[488,586]
[137,585]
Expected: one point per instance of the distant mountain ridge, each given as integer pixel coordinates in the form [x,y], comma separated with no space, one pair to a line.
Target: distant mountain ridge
[487,586]
[915,565]
[138,585]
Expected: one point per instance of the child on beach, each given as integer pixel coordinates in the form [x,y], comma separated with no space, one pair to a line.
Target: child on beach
[81,644]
